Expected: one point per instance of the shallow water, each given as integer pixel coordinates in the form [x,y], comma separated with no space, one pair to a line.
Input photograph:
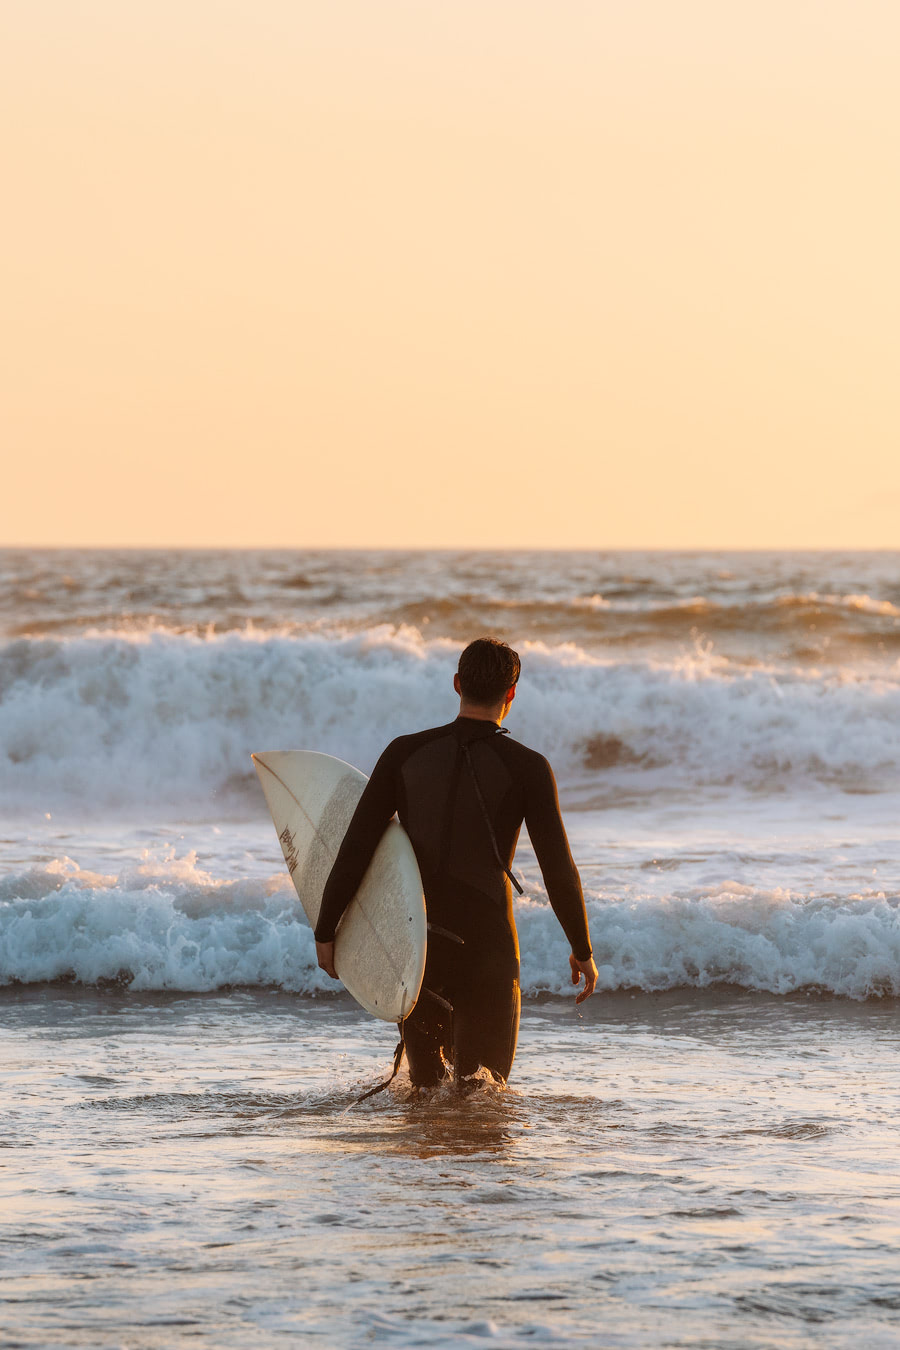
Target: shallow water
[710,1164]
[672,1170]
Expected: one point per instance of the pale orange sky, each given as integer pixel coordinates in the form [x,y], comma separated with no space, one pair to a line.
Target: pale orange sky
[468,272]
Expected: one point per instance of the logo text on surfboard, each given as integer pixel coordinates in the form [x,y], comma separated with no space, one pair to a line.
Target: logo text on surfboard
[291,855]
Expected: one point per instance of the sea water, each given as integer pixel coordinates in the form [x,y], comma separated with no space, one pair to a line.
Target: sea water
[704,1154]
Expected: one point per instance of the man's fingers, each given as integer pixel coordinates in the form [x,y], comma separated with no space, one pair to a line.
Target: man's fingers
[325,958]
[589,986]
[589,970]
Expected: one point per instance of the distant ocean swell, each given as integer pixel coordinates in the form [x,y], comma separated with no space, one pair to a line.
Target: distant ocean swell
[802,626]
[158,721]
[799,606]
[169,926]
[857,618]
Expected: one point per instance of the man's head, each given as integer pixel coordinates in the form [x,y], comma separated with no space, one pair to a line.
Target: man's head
[486,678]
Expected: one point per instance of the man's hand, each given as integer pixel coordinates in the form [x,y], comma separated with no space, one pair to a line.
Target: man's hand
[325,958]
[579,968]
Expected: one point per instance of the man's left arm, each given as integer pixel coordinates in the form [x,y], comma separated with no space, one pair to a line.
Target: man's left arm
[373,813]
[551,845]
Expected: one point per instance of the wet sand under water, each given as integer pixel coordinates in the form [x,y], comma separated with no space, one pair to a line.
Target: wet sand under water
[712,1168]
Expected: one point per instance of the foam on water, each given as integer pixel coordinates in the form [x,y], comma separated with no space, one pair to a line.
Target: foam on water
[156,721]
[169,924]
[145,722]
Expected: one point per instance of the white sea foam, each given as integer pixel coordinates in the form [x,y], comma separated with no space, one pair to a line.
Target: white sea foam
[731,933]
[171,925]
[160,722]
[646,606]
[861,603]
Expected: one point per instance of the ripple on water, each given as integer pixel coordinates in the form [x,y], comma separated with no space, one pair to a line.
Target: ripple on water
[788,1129]
[704,1212]
[441,1212]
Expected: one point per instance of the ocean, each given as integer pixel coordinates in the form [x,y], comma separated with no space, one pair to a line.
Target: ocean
[703,1154]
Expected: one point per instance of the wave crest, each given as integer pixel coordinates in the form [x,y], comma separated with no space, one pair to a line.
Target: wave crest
[159,722]
[169,925]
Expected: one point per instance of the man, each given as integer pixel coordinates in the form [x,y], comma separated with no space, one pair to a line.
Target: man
[461,792]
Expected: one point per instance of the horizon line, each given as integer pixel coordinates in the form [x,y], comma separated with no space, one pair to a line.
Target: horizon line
[451,548]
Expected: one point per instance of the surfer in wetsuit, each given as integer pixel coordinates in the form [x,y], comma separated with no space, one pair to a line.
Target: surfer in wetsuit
[461,792]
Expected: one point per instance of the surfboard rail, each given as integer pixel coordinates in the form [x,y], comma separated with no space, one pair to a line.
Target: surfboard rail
[381,942]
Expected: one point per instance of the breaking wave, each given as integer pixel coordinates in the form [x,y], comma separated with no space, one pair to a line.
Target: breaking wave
[156,722]
[168,925]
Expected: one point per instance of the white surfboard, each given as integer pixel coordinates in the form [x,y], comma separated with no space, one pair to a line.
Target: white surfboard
[380,946]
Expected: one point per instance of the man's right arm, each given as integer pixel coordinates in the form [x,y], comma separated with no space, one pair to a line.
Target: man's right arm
[373,813]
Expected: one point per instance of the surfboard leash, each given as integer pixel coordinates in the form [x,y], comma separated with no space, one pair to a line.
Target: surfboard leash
[380,1087]
[401,1044]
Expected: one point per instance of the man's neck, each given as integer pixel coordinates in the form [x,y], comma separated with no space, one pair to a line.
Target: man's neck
[478,714]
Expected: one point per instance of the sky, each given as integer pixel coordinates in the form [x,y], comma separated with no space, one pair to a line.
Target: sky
[450,273]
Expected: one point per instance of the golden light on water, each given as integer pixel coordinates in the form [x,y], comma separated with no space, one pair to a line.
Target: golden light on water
[520,274]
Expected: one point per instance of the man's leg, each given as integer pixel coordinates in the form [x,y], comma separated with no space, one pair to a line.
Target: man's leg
[472,965]
[427,1036]
[486,1022]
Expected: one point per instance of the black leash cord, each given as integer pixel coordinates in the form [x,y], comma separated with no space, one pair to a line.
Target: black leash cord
[398,1053]
[380,1087]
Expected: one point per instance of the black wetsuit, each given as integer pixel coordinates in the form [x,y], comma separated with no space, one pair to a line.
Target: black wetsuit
[451,787]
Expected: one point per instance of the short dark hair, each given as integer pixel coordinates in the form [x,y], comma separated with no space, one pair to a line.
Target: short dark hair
[487,668]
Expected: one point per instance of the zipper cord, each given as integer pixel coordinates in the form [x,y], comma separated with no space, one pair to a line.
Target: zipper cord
[487,819]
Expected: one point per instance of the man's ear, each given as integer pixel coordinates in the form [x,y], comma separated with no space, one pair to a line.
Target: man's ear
[456,685]
[510,693]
